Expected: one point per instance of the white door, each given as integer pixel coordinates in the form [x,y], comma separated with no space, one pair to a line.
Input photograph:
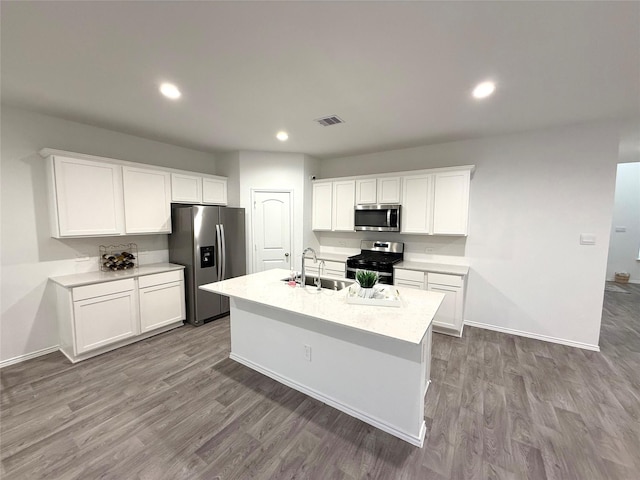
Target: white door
[272,230]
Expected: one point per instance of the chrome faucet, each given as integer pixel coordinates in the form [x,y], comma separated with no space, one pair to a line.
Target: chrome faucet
[319,277]
[303,277]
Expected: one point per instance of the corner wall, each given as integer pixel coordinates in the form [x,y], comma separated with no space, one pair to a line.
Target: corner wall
[273,171]
[532,195]
[29,255]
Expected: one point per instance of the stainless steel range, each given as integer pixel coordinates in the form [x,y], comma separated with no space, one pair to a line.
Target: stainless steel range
[376,256]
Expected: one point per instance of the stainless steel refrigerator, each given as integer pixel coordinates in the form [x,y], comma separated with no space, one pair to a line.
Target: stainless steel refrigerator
[210,242]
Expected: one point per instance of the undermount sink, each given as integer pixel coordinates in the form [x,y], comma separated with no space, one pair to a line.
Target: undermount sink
[327,283]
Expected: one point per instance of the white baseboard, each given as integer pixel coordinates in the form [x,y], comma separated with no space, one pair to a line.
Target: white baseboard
[28,356]
[413,440]
[536,336]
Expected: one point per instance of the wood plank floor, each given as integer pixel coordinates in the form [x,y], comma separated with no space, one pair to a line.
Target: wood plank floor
[175,407]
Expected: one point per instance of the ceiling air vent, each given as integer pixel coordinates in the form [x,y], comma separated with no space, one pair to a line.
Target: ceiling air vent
[330,120]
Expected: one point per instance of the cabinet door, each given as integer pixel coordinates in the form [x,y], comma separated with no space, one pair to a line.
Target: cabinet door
[88,198]
[389,190]
[344,195]
[366,191]
[451,203]
[214,191]
[449,314]
[186,188]
[104,320]
[416,204]
[161,305]
[321,206]
[147,200]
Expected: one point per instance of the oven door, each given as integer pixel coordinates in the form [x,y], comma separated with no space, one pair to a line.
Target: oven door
[377,218]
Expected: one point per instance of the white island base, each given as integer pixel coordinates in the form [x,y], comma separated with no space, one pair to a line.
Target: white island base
[381,381]
[371,362]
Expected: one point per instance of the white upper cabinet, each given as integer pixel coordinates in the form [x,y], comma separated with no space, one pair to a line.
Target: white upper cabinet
[451,203]
[147,200]
[186,188]
[322,206]
[98,197]
[378,190]
[343,206]
[389,190]
[436,203]
[214,190]
[417,204]
[85,197]
[366,191]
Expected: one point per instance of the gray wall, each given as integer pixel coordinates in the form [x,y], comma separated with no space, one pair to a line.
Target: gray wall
[29,255]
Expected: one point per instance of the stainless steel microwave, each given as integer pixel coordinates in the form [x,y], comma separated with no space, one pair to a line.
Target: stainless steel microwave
[377,218]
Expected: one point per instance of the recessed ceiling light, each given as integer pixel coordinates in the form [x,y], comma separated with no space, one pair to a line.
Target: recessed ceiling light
[484,89]
[169,90]
[282,136]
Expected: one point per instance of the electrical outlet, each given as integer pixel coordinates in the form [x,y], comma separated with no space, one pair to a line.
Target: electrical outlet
[342,244]
[307,353]
[428,250]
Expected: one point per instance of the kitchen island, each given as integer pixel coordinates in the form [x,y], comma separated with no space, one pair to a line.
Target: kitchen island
[371,362]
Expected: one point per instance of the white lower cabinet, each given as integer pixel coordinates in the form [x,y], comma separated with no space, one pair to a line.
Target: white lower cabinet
[331,269]
[102,316]
[162,300]
[449,318]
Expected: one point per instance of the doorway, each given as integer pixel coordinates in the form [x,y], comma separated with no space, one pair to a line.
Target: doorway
[271,229]
[620,327]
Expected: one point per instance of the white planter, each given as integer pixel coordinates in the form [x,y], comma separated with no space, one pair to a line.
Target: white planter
[366,292]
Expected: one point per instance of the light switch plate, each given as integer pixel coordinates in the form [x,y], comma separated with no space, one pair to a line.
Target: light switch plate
[587,239]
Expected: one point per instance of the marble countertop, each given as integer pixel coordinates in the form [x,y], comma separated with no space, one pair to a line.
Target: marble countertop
[434,267]
[407,323]
[89,278]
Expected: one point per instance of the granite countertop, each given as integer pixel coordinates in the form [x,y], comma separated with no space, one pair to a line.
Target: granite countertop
[89,278]
[434,267]
[408,322]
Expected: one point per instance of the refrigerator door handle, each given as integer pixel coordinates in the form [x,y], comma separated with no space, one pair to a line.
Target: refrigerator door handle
[219,259]
[224,253]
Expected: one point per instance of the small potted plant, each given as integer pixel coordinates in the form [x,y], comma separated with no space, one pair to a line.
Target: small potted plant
[366,279]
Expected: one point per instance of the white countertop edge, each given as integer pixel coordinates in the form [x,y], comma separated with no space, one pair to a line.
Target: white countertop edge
[90,278]
[433,267]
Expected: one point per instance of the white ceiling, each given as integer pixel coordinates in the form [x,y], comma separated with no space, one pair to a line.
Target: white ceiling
[399,73]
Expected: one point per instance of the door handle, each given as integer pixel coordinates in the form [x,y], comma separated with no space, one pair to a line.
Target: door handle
[286,255]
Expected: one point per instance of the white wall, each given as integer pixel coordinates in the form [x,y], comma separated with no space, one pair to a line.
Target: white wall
[532,195]
[274,171]
[228,165]
[29,255]
[624,248]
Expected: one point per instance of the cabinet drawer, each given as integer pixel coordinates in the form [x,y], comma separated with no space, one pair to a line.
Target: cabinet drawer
[409,284]
[444,279]
[412,275]
[334,267]
[159,278]
[100,289]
